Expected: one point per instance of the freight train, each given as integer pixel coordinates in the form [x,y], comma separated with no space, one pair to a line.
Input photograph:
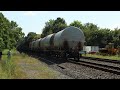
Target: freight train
[66,43]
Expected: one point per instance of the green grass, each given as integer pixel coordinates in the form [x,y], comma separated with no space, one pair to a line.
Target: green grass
[13,51]
[22,66]
[116,57]
[27,65]
[7,67]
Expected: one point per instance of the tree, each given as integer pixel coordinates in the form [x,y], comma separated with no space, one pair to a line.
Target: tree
[116,37]
[77,23]
[10,32]
[48,29]
[2,45]
[53,26]
[31,36]
[59,24]
[23,44]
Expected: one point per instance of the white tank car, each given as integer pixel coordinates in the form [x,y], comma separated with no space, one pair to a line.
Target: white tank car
[32,45]
[36,46]
[72,35]
[65,43]
[45,42]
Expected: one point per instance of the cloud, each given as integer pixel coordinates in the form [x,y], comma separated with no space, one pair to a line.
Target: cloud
[33,13]
[30,13]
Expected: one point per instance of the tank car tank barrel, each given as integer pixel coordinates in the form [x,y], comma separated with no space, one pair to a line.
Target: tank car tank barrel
[68,41]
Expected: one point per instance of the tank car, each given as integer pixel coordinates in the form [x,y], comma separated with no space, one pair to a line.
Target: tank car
[36,45]
[66,43]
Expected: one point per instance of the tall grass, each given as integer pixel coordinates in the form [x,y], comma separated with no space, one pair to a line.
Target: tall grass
[24,55]
[7,66]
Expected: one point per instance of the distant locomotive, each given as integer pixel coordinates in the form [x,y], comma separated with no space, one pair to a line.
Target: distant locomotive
[66,43]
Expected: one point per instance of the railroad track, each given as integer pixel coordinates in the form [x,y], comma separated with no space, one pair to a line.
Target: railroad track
[106,68]
[71,67]
[65,70]
[100,59]
[112,66]
[96,65]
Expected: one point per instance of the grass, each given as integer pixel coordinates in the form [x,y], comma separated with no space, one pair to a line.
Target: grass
[33,69]
[7,67]
[116,57]
[22,66]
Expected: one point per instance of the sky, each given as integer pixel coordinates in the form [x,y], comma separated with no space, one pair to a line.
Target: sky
[34,21]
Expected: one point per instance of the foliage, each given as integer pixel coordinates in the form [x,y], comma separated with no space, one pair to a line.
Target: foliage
[24,43]
[53,26]
[10,33]
[1,44]
[77,23]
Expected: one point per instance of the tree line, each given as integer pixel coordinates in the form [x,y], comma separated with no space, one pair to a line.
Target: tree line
[10,33]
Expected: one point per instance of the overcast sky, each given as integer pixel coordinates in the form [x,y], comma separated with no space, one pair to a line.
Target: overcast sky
[34,21]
